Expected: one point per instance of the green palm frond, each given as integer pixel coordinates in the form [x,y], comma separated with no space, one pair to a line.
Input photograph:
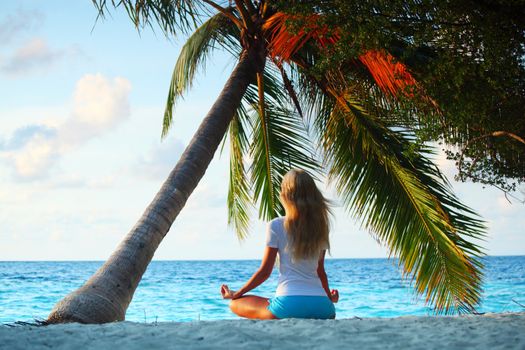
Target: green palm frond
[172,16]
[274,91]
[279,142]
[310,96]
[240,184]
[218,30]
[288,147]
[239,198]
[264,133]
[403,199]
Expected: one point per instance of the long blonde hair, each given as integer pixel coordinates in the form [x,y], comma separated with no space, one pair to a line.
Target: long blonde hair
[306,222]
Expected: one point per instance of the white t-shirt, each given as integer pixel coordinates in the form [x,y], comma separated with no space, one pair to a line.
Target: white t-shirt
[295,278]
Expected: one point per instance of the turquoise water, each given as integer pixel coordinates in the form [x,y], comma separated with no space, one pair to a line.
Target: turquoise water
[189,290]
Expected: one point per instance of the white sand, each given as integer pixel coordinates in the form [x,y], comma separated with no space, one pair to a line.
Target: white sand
[494,331]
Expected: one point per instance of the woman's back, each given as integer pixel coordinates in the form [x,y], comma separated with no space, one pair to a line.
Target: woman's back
[295,277]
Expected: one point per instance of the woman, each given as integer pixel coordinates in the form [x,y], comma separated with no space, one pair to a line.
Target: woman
[301,240]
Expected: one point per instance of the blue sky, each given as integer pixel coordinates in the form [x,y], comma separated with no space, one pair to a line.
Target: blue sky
[81,106]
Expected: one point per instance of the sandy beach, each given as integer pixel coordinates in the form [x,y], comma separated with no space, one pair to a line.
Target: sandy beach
[491,331]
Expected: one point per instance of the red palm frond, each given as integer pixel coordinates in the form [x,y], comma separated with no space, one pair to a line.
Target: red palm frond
[391,76]
[284,42]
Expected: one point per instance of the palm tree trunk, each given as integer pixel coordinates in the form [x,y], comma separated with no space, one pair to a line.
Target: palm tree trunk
[108,293]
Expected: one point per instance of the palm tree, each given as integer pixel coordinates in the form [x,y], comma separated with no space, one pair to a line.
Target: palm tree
[281,112]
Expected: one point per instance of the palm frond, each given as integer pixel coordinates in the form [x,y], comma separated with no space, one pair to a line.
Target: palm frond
[391,76]
[286,144]
[239,198]
[402,198]
[241,183]
[172,16]
[273,89]
[291,37]
[288,147]
[218,30]
[265,138]
[287,34]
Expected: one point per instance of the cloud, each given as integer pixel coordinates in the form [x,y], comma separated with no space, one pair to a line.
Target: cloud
[99,105]
[157,164]
[28,55]
[23,135]
[78,181]
[211,197]
[35,55]
[14,25]
[35,158]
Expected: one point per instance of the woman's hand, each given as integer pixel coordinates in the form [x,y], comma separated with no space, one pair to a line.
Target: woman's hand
[226,292]
[334,295]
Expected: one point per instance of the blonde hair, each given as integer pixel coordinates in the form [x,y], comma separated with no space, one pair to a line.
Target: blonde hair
[306,222]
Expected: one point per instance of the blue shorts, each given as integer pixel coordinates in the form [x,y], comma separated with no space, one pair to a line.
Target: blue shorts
[301,306]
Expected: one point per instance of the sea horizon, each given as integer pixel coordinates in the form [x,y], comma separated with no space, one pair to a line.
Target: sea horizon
[252,259]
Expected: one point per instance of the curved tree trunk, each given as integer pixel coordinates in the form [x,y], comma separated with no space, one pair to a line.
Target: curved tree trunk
[107,294]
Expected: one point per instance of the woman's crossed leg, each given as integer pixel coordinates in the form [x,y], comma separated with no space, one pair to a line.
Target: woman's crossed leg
[252,306]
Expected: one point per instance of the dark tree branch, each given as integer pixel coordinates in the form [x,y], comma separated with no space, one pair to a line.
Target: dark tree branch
[420,20]
[225,12]
[251,9]
[245,15]
[492,134]
[508,134]
[505,192]
[289,87]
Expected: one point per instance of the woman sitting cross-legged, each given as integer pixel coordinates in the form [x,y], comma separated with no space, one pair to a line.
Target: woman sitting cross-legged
[301,240]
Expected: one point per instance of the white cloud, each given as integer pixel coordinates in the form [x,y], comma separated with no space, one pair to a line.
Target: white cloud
[35,55]
[35,158]
[79,181]
[99,105]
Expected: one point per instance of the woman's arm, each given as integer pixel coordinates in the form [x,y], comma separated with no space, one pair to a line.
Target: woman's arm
[261,275]
[334,294]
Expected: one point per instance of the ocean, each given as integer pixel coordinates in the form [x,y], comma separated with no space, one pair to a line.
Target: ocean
[189,290]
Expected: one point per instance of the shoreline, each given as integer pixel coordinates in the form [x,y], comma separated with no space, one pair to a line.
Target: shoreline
[488,331]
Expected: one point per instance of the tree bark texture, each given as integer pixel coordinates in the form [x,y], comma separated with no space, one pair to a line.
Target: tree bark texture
[106,296]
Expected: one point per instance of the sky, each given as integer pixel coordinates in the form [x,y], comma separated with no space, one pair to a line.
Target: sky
[81,106]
